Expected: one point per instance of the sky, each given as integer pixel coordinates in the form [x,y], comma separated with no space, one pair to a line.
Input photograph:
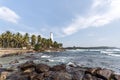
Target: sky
[73,22]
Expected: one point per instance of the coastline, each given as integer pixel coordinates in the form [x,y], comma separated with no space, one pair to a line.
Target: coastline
[14,51]
[71,70]
[11,51]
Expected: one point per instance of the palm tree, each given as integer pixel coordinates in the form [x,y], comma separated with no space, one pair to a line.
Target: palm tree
[0,41]
[8,38]
[33,40]
[17,40]
[26,39]
[39,39]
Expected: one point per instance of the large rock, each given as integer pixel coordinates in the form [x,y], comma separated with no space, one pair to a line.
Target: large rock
[78,75]
[117,77]
[93,70]
[18,76]
[29,70]
[40,68]
[105,74]
[61,67]
[29,64]
[61,76]
[37,76]
[3,75]
[90,77]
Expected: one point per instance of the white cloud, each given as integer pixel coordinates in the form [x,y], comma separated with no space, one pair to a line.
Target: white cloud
[8,15]
[102,12]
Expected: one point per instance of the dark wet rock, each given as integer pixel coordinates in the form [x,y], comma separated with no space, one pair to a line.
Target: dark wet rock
[116,77]
[78,75]
[61,67]
[90,77]
[17,76]
[105,73]
[29,70]
[47,74]
[61,76]
[37,76]
[32,71]
[42,68]
[47,61]
[29,64]
[93,70]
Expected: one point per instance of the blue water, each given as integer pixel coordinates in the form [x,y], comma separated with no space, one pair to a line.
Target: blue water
[105,58]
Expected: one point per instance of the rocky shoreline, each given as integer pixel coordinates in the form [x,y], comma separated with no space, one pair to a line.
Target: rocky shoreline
[32,71]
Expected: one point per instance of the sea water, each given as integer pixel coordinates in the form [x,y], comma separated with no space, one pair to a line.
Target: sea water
[104,58]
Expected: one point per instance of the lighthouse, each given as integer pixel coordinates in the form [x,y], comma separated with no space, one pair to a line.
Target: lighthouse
[51,36]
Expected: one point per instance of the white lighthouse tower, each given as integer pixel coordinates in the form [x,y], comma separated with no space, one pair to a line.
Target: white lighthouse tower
[51,36]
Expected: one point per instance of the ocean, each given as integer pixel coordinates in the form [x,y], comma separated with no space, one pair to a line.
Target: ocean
[104,58]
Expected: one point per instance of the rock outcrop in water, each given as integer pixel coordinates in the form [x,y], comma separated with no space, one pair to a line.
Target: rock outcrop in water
[32,71]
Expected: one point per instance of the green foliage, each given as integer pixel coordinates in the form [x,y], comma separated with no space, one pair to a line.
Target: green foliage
[37,47]
[33,40]
[17,40]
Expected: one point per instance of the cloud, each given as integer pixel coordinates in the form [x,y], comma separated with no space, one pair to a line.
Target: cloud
[102,12]
[8,15]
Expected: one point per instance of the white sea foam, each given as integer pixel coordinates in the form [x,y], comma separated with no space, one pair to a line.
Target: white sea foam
[71,63]
[45,56]
[117,55]
[51,60]
[113,52]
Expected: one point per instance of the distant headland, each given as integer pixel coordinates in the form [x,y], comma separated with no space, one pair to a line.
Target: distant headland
[99,47]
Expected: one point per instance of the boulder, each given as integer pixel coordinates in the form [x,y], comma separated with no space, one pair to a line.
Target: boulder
[29,70]
[61,76]
[37,77]
[78,75]
[61,67]
[104,74]
[40,68]
[18,77]
[29,64]
[93,70]
[116,77]
[47,74]
[90,77]
[3,75]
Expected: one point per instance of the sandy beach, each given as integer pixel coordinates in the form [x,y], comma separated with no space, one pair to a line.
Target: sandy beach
[13,51]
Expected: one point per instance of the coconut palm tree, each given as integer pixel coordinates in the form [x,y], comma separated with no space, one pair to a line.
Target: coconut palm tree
[26,39]
[8,35]
[33,40]
[39,39]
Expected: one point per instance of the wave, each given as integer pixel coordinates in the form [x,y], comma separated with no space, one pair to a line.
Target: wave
[45,56]
[117,55]
[51,60]
[111,53]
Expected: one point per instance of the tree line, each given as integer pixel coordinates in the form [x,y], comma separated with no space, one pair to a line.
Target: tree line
[17,40]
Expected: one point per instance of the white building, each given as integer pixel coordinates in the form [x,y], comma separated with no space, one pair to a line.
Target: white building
[51,36]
